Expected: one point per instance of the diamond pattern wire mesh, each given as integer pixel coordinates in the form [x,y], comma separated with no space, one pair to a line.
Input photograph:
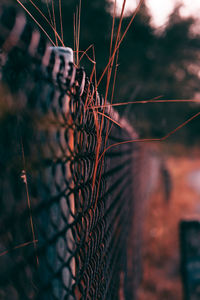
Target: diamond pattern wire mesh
[82,218]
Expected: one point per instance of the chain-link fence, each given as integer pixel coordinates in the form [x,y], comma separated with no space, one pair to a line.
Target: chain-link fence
[66,207]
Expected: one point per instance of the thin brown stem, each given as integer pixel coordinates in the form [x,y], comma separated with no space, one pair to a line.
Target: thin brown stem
[152,139]
[54,21]
[36,21]
[61,21]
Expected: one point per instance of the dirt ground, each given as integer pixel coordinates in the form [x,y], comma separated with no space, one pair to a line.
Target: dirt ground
[161,269]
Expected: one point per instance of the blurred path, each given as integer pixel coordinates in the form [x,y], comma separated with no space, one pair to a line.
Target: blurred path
[161,252]
[194,180]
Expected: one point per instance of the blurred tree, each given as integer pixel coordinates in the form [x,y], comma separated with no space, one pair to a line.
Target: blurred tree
[159,63]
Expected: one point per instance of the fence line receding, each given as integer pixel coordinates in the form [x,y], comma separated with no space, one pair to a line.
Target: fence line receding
[66,222]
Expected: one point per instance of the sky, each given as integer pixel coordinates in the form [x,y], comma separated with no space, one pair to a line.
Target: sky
[160,9]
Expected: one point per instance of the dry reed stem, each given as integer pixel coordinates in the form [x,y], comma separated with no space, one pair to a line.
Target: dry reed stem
[50,23]
[61,22]
[153,139]
[50,17]
[77,24]
[120,41]
[84,53]
[54,21]
[20,3]
[99,141]
[18,247]
[113,26]
[109,68]
[109,118]
[148,101]
[29,202]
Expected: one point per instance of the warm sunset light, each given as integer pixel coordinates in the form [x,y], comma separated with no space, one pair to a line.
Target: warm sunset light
[160,10]
[100,149]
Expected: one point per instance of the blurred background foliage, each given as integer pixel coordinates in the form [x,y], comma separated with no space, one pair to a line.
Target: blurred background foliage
[152,62]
